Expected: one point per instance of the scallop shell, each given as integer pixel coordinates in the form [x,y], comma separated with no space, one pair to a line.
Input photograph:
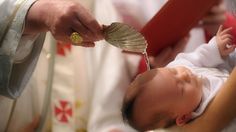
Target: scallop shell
[125,37]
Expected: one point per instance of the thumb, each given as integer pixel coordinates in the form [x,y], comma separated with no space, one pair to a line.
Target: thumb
[231,49]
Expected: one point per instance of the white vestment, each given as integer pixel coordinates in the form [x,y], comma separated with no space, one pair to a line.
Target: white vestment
[88,83]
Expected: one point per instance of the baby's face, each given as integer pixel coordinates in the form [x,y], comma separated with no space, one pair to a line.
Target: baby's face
[184,89]
[174,90]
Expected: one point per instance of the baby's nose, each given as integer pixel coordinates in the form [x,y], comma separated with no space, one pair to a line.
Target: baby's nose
[184,76]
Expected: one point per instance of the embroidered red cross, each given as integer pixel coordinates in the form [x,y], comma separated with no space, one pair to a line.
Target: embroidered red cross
[63,112]
[62,47]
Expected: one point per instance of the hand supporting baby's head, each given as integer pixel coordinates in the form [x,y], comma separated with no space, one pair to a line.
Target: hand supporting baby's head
[155,99]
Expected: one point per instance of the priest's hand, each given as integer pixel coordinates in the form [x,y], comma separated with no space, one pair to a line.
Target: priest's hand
[62,18]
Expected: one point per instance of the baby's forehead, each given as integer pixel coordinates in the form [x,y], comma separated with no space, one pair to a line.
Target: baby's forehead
[141,81]
[162,75]
[160,87]
[146,76]
[154,86]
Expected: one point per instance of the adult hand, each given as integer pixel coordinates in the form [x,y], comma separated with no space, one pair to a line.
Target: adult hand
[225,41]
[62,18]
[214,18]
[168,54]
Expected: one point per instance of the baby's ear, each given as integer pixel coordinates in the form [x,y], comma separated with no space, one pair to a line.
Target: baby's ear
[183,119]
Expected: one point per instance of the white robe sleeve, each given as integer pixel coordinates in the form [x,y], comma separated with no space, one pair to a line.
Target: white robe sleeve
[206,55]
[18,54]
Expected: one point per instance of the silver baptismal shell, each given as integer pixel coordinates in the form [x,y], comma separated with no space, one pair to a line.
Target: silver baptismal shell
[125,37]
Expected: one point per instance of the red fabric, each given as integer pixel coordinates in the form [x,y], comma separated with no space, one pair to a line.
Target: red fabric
[142,66]
[62,47]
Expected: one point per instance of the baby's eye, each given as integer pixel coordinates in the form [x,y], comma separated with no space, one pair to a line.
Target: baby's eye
[180,86]
[182,90]
[188,81]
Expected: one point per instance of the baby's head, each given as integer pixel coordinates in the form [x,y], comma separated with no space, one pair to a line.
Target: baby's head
[161,97]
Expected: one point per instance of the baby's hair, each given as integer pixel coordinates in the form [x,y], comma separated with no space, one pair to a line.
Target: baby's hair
[129,99]
[132,93]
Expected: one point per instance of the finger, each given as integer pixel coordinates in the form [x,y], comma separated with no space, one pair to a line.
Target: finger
[231,49]
[63,35]
[82,30]
[88,44]
[220,29]
[227,30]
[227,46]
[88,20]
[226,42]
[91,23]
[85,44]
[226,36]
[98,31]
[104,27]
[62,31]
[229,41]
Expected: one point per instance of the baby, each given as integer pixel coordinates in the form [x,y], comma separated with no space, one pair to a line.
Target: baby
[179,92]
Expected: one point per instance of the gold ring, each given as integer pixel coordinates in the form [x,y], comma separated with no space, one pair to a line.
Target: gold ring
[76,38]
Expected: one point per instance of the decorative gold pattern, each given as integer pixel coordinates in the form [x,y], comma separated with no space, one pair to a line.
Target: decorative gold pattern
[78,104]
[76,38]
